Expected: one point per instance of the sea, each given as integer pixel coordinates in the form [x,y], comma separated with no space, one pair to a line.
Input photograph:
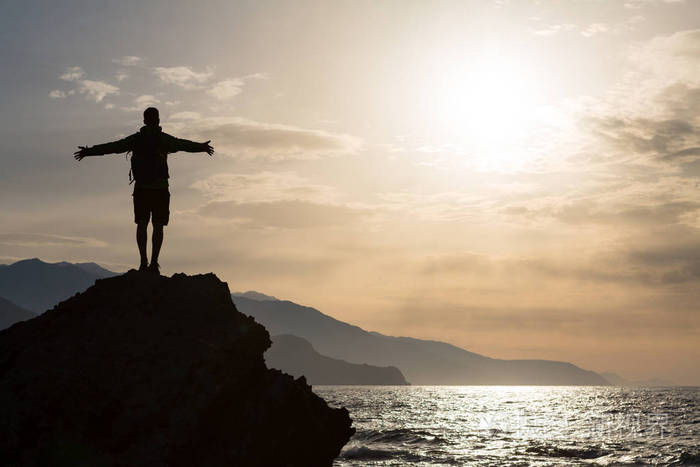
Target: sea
[519,425]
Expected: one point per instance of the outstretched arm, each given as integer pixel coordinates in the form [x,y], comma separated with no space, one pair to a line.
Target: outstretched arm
[115,147]
[179,144]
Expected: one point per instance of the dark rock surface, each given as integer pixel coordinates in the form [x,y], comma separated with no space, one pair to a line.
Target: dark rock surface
[149,370]
[297,357]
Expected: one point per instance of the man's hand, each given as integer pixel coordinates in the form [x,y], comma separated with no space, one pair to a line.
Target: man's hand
[208,147]
[81,153]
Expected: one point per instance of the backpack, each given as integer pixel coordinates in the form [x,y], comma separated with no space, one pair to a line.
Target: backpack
[148,160]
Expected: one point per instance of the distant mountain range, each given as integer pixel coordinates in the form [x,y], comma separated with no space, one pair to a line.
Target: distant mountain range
[253,295]
[35,286]
[297,357]
[618,380]
[11,313]
[422,362]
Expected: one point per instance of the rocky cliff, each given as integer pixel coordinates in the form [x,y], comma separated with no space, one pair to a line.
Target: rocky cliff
[149,370]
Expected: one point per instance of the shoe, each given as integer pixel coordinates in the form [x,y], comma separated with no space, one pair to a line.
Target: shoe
[143,267]
[154,267]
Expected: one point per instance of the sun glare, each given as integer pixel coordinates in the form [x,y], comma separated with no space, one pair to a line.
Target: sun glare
[485,107]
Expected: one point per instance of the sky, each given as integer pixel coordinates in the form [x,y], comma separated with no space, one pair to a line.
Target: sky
[518,178]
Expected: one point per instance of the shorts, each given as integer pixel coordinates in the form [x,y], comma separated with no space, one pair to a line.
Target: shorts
[151,202]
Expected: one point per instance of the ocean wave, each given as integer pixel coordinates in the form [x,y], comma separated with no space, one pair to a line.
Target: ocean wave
[688,458]
[365,453]
[400,435]
[571,452]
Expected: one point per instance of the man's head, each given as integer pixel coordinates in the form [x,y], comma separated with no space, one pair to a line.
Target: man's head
[151,117]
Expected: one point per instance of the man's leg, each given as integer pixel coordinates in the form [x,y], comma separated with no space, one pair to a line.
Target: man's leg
[157,242]
[141,238]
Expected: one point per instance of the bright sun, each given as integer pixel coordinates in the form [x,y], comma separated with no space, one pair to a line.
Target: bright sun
[485,106]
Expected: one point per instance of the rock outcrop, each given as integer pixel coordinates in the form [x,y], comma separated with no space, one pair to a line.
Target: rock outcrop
[297,357]
[148,370]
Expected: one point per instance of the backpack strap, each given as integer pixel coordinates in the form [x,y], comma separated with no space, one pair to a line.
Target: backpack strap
[131,177]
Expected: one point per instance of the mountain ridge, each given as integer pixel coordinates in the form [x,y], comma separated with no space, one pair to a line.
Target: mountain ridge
[11,313]
[297,357]
[421,361]
[36,285]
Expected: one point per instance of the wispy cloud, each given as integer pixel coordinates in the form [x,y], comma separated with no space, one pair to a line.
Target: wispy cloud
[227,89]
[185,115]
[26,239]
[636,4]
[264,187]
[128,60]
[141,102]
[96,90]
[183,76]
[274,199]
[230,88]
[244,137]
[57,94]
[554,29]
[630,24]
[73,74]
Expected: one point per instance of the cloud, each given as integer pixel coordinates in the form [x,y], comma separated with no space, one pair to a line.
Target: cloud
[553,29]
[146,100]
[292,214]
[141,102]
[128,60]
[242,137]
[73,74]
[259,75]
[43,240]
[677,263]
[265,187]
[227,89]
[653,116]
[121,75]
[182,76]
[185,115]
[57,94]
[230,88]
[96,90]
[592,29]
[661,139]
[636,4]
[274,199]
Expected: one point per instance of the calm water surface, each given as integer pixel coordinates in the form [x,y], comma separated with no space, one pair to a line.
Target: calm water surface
[519,426]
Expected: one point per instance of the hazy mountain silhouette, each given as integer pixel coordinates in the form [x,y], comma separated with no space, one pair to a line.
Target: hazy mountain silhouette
[618,380]
[92,268]
[421,361]
[11,314]
[253,295]
[142,369]
[297,357]
[37,286]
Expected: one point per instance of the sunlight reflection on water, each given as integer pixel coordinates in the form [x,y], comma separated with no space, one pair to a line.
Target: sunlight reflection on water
[519,425]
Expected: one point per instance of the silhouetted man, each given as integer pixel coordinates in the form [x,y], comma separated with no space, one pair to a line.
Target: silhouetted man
[149,165]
